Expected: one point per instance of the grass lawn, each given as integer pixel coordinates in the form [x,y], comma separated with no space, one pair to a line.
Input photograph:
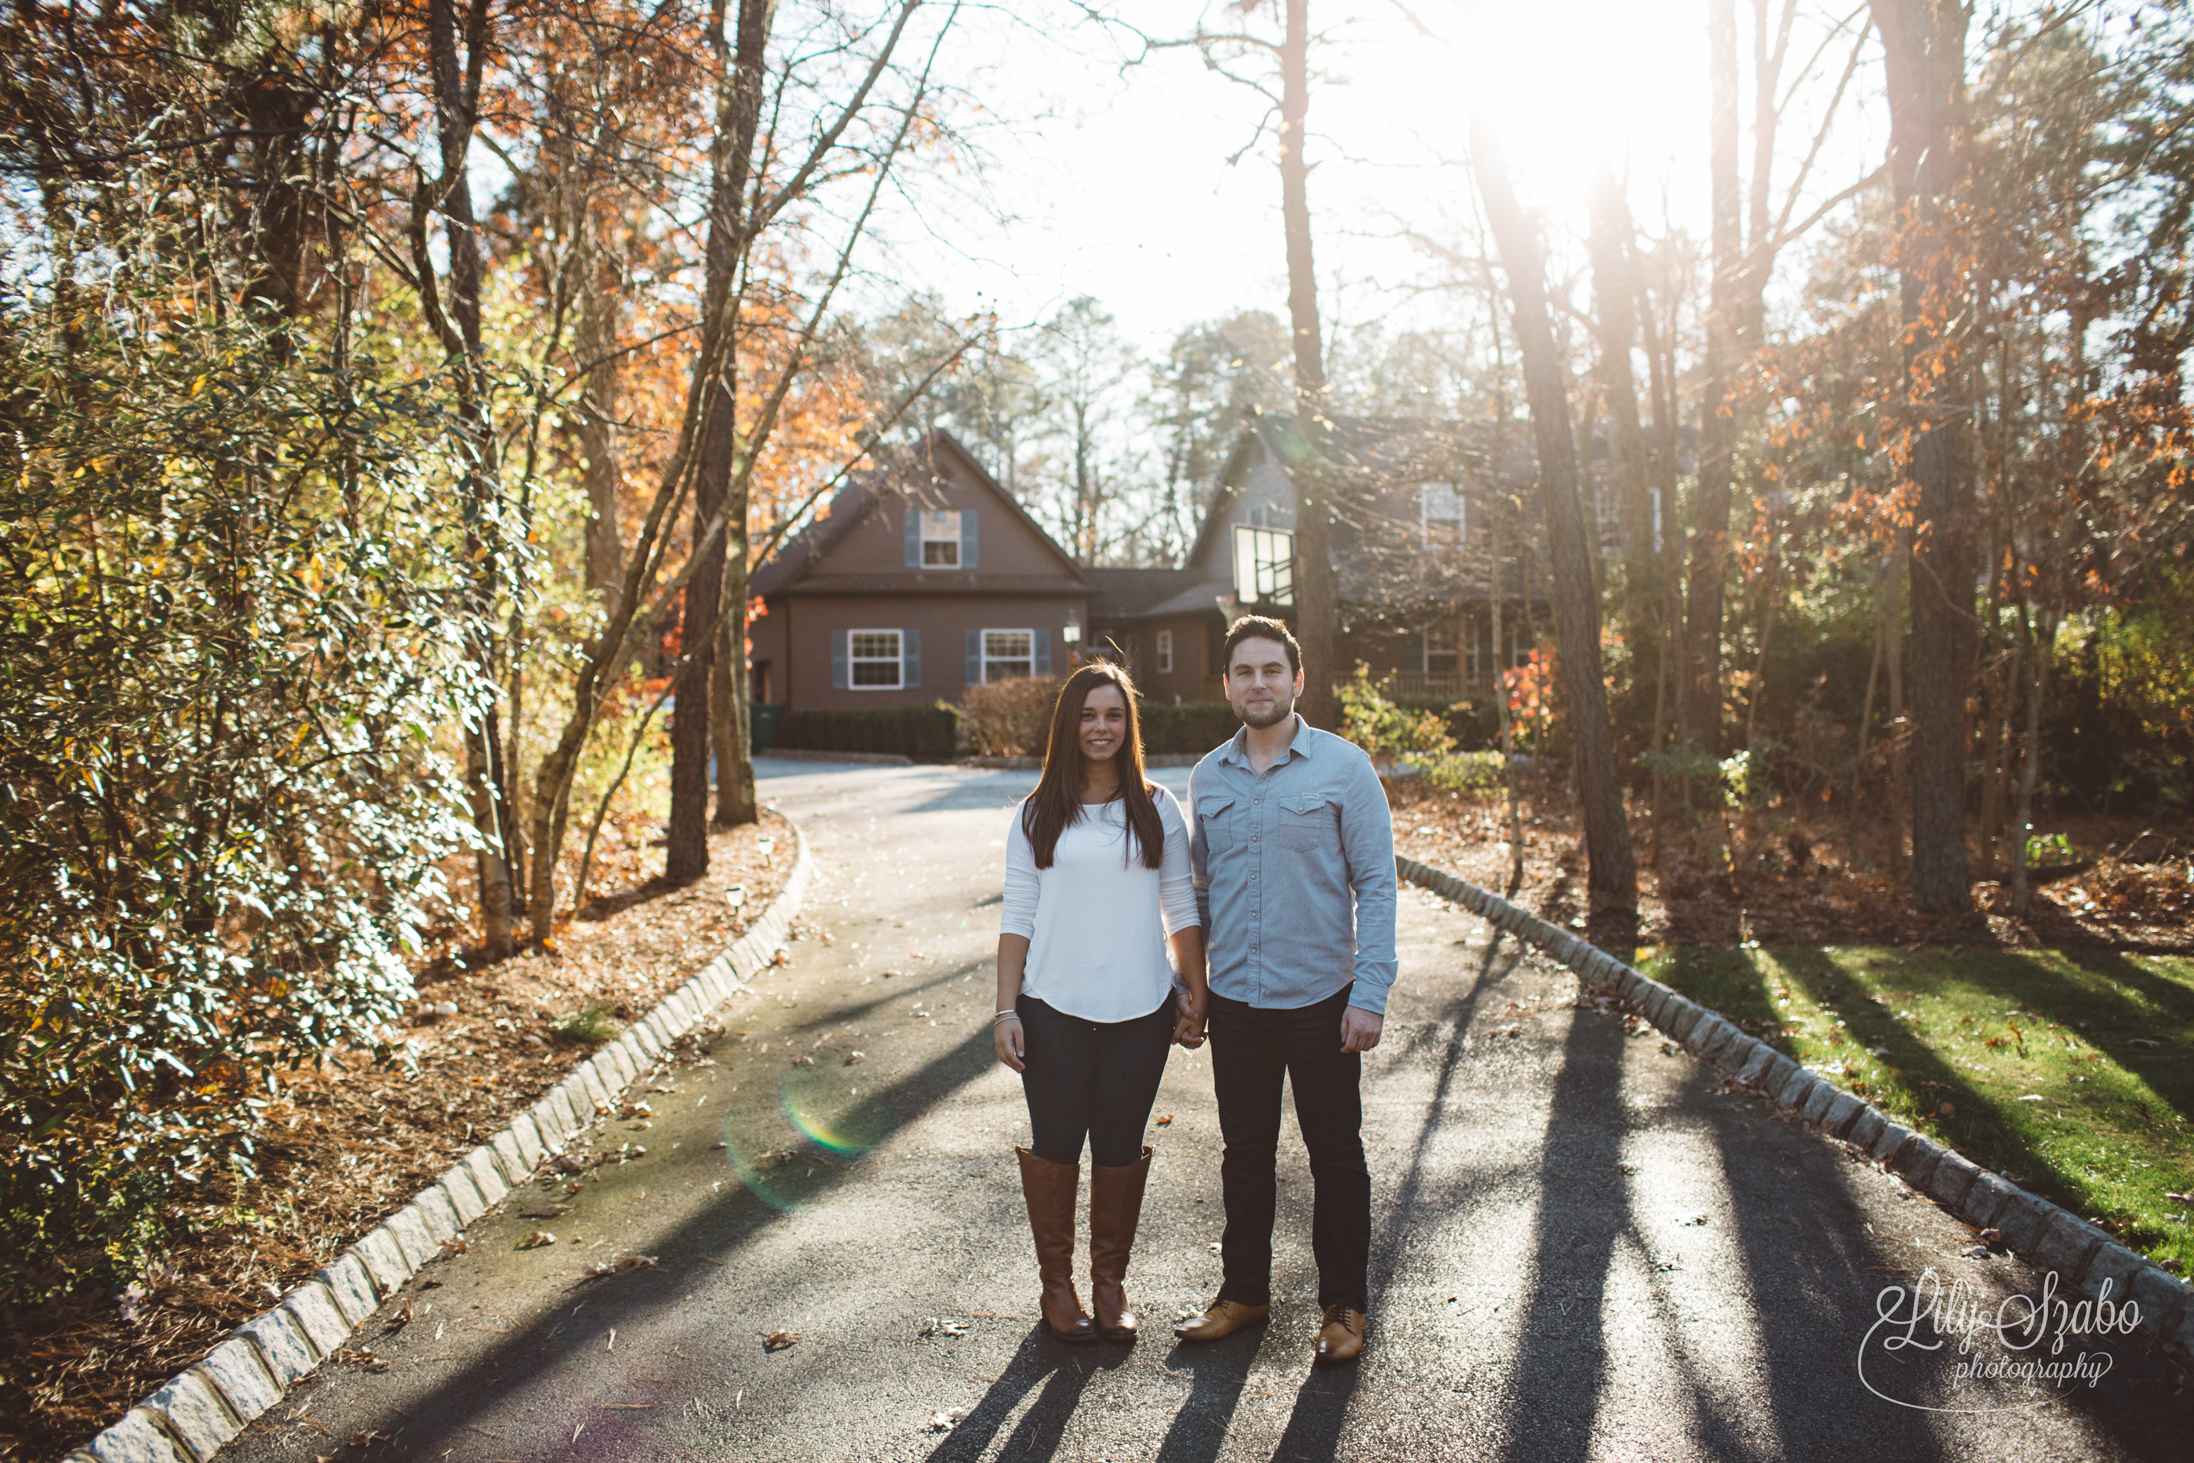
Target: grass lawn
[2072,1073]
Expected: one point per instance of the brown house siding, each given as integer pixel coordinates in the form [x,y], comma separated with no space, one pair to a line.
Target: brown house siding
[801,667]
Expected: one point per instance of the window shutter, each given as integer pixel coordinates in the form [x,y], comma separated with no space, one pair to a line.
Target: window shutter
[1042,645]
[975,657]
[914,535]
[840,679]
[967,538]
[1414,660]
[910,659]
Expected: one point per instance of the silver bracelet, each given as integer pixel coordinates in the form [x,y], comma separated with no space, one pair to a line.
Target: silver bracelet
[1002,1015]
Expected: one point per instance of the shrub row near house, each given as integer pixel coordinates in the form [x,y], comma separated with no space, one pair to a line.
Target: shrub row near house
[926,733]
[1192,727]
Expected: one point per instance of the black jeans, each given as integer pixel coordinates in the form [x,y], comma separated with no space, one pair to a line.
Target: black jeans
[1251,1048]
[1091,1078]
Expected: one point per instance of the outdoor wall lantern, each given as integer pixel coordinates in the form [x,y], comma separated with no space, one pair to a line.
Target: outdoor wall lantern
[1072,634]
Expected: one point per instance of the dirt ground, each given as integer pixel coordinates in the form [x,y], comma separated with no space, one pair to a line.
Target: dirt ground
[1823,878]
[349,1142]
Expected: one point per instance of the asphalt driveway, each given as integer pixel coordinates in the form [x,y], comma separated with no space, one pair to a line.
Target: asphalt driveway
[1582,1247]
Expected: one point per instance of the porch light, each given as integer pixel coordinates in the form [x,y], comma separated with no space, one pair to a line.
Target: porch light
[1072,634]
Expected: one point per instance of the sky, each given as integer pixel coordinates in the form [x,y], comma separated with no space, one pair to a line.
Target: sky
[1114,179]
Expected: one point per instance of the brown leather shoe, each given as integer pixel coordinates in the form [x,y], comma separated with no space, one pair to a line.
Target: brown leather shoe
[1050,1189]
[1115,1204]
[1223,1319]
[1341,1334]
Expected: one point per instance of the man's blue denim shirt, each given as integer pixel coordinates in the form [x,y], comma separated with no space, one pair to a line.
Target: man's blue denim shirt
[1294,872]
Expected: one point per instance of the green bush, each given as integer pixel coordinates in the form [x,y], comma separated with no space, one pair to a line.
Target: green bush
[926,733]
[1189,728]
[232,633]
[1473,723]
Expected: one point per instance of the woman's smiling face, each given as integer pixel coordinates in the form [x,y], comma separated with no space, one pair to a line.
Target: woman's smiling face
[1104,723]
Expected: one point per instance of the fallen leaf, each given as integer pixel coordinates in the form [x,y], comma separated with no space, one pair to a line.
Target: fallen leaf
[936,1326]
[536,1239]
[945,1422]
[453,1246]
[546,1211]
[1165,1120]
[779,1340]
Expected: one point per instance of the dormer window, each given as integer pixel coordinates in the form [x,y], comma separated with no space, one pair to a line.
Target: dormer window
[1440,515]
[941,540]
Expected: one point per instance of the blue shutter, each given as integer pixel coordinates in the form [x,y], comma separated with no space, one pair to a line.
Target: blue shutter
[1413,659]
[975,657]
[967,538]
[910,659]
[1043,651]
[840,678]
[914,536]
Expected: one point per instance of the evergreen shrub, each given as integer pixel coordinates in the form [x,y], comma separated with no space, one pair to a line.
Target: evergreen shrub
[926,733]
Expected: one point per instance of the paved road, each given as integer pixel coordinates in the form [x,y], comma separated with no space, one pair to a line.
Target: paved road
[1582,1248]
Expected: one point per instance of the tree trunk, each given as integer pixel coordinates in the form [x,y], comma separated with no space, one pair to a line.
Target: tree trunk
[1614,291]
[1612,876]
[598,408]
[734,736]
[1317,606]
[1923,49]
[738,110]
[487,780]
[1699,699]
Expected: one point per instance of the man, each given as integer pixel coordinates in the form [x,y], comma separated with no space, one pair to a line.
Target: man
[1292,849]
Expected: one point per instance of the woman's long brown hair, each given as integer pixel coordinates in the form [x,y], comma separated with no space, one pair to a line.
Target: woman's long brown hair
[1057,800]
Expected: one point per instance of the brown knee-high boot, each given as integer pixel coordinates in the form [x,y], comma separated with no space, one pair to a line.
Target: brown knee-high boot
[1115,1203]
[1051,1189]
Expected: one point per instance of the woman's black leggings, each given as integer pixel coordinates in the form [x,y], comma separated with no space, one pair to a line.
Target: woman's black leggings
[1091,1078]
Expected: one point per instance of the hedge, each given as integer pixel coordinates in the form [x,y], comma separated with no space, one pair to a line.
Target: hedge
[927,733]
[1187,726]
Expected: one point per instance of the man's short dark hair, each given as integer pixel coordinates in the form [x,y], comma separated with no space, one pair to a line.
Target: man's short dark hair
[1262,627]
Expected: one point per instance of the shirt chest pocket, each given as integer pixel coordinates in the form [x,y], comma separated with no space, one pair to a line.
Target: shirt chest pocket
[1216,819]
[1307,824]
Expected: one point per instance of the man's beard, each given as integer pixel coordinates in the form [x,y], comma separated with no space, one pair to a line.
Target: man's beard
[1280,710]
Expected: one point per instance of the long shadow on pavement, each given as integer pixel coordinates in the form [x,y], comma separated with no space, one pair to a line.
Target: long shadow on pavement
[1063,1370]
[531,1356]
[1562,1352]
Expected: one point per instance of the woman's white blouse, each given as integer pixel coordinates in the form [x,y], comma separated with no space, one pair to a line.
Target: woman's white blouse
[1097,919]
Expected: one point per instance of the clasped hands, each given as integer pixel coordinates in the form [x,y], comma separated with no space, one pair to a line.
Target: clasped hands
[1188,1020]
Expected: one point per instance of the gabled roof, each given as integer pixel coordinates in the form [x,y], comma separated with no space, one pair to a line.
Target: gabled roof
[909,474]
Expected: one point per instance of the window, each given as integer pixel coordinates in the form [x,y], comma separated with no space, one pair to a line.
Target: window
[874,659]
[1440,515]
[1440,650]
[1264,566]
[1008,653]
[941,540]
[1165,652]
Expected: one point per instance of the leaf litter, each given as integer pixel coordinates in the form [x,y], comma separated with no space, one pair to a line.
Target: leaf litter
[352,1141]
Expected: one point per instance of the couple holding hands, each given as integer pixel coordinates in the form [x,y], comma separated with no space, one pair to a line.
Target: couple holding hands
[1278,907]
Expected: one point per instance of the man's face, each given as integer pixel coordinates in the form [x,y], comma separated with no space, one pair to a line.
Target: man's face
[1260,685]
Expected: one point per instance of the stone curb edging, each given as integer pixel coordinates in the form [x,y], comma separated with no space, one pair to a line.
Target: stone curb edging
[2082,1254]
[197,1413]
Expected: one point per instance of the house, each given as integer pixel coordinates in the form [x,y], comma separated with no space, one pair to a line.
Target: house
[924,577]
[1413,538]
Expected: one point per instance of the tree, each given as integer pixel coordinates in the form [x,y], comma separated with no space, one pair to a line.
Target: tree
[1612,876]
[1923,48]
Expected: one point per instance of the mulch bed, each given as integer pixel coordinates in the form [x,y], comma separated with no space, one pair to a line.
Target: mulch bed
[351,1141]
[1821,879]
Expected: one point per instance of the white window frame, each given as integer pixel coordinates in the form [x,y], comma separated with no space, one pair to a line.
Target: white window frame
[940,529]
[1165,652]
[897,661]
[1426,517]
[1028,660]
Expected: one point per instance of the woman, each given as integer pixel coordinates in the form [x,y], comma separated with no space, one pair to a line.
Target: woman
[1097,886]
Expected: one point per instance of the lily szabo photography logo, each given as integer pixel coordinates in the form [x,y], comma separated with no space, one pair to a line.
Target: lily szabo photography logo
[1977,1355]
